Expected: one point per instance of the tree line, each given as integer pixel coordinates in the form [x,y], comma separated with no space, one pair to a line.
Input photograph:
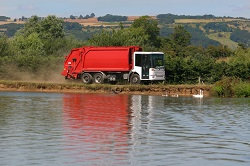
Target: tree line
[43,43]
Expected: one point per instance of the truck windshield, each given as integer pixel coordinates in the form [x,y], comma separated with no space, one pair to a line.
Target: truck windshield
[157,60]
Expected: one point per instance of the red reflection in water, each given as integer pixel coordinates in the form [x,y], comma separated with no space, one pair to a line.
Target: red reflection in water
[96,122]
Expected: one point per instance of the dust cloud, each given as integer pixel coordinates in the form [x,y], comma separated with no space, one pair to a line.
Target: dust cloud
[49,74]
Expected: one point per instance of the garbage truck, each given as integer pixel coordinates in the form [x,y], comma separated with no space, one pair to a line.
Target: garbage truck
[101,64]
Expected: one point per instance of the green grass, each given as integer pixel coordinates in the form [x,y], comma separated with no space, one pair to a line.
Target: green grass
[224,39]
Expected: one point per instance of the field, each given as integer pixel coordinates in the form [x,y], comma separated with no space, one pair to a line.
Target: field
[95,23]
[10,22]
[186,21]
[219,29]
[224,39]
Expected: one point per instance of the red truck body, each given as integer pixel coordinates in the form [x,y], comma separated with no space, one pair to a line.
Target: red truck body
[94,59]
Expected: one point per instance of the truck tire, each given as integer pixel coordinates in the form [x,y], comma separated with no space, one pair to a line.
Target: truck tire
[98,78]
[135,79]
[87,78]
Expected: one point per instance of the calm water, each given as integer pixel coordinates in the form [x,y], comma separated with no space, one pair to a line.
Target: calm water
[100,129]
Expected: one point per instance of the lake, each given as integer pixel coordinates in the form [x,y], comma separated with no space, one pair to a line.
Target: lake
[108,129]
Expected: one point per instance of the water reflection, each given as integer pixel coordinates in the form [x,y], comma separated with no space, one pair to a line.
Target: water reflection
[96,127]
[146,130]
[104,129]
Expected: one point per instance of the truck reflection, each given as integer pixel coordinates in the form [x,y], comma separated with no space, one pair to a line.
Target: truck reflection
[98,126]
[96,123]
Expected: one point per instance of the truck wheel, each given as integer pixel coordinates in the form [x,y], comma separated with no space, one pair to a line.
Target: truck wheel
[135,79]
[87,78]
[98,78]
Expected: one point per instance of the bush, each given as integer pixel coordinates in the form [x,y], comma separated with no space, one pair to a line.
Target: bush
[112,18]
[242,89]
[217,90]
[31,45]
[5,49]
[231,87]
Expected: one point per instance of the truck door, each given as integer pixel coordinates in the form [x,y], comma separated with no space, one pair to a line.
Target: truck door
[145,66]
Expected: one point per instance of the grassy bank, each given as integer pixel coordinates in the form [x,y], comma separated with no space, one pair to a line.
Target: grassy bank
[155,89]
[231,87]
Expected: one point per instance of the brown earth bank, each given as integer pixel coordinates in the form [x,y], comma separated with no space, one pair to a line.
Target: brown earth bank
[154,89]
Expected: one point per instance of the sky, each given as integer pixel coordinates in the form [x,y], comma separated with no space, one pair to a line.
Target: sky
[63,8]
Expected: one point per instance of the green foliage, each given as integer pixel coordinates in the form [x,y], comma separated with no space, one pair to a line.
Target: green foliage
[87,16]
[112,18]
[5,49]
[60,46]
[166,31]
[224,87]
[199,38]
[239,64]
[143,32]
[189,69]
[11,28]
[80,35]
[230,87]
[241,36]
[242,89]
[41,37]
[218,27]
[72,26]
[218,90]
[43,41]
[48,28]
[219,51]
[36,45]
[180,37]
[125,37]
[177,42]
[150,27]
[218,71]
[51,28]
[241,56]
[170,18]
[166,18]
[31,45]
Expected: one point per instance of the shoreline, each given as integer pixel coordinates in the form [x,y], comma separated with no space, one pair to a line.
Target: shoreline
[154,89]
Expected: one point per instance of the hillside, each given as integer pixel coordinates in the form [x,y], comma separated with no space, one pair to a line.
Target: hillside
[205,30]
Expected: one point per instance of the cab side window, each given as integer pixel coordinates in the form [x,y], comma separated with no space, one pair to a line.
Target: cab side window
[138,58]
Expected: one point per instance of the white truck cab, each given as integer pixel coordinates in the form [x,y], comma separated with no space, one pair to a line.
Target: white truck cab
[149,66]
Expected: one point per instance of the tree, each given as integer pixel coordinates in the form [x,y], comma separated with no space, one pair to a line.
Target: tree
[92,15]
[112,18]
[4,46]
[32,45]
[72,17]
[51,28]
[121,37]
[150,27]
[219,51]
[48,28]
[81,17]
[87,16]
[181,37]
[31,26]
[43,32]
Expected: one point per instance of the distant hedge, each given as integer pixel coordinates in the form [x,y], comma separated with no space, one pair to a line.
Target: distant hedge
[11,28]
[4,18]
[241,36]
[112,18]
